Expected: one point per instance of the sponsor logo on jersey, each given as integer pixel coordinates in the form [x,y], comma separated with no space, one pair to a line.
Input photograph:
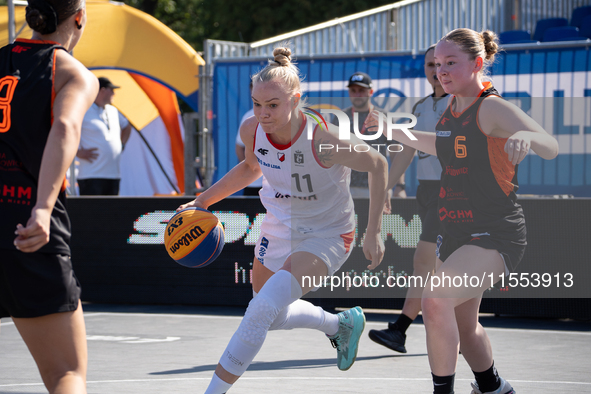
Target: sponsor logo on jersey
[303,198]
[456,216]
[298,158]
[442,121]
[16,194]
[442,193]
[265,164]
[263,151]
[20,48]
[449,170]
[443,133]
[468,119]
[451,195]
[281,156]
[7,164]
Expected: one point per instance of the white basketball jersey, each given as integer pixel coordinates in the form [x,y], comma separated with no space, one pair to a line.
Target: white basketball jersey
[428,111]
[299,193]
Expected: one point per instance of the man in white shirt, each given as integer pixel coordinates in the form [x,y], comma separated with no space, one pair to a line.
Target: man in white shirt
[104,132]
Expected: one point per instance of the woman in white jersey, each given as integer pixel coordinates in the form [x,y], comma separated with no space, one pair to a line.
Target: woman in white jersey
[309,226]
[428,111]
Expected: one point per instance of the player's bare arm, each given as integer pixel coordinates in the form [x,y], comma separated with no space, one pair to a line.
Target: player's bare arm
[75,89]
[522,132]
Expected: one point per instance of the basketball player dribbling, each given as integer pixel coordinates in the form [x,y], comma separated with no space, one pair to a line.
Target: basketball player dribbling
[309,225]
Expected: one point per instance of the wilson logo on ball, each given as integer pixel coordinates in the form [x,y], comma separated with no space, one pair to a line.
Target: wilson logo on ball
[186,239]
[194,237]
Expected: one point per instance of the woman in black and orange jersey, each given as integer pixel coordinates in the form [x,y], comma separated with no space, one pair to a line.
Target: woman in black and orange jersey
[480,139]
[45,94]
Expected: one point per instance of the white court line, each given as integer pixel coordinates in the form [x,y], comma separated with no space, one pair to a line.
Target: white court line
[197,316]
[299,379]
[135,314]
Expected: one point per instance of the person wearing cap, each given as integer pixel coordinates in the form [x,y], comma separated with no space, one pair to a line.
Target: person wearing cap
[360,92]
[104,132]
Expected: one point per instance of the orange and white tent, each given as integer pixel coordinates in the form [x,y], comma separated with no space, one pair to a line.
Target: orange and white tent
[153,65]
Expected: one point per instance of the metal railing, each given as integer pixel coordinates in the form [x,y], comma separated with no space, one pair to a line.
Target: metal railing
[409,25]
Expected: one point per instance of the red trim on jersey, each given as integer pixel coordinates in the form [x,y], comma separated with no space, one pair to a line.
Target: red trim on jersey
[294,139]
[314,149]
[487,85]
[348,239]
[502,168]
[53,84]
[37,41]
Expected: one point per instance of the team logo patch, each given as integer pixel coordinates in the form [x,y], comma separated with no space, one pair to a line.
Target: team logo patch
[281,156]
[443,133]
[298,157]
[263,249]
[20,49]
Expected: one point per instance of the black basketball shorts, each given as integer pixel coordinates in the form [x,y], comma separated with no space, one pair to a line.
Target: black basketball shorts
[36,284]
[427,200]
[511,250]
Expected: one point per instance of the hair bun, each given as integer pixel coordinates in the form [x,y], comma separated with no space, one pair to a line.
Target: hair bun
[282,56]
[491,46]
[41,16]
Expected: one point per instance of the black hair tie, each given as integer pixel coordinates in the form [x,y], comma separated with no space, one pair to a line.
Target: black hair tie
[48,12]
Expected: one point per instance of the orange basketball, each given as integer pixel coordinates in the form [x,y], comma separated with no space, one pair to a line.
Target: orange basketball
[194,237]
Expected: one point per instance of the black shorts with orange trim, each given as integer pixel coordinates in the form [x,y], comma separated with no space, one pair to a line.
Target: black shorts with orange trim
[511,250]
[36,284]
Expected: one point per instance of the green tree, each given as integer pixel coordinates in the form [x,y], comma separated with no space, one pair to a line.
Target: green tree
[245,21]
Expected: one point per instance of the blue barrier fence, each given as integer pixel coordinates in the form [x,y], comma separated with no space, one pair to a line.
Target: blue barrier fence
[560,75]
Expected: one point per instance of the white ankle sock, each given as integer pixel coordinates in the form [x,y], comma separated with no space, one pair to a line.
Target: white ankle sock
[302,314]
[217,386]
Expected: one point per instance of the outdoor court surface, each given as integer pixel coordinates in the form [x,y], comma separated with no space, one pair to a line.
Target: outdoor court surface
[167,349]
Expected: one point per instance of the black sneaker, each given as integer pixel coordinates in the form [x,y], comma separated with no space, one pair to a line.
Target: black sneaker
[391,338]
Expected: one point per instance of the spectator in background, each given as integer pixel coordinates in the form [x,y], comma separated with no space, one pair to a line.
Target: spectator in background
[360,93]
[253,188]
[104,132]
